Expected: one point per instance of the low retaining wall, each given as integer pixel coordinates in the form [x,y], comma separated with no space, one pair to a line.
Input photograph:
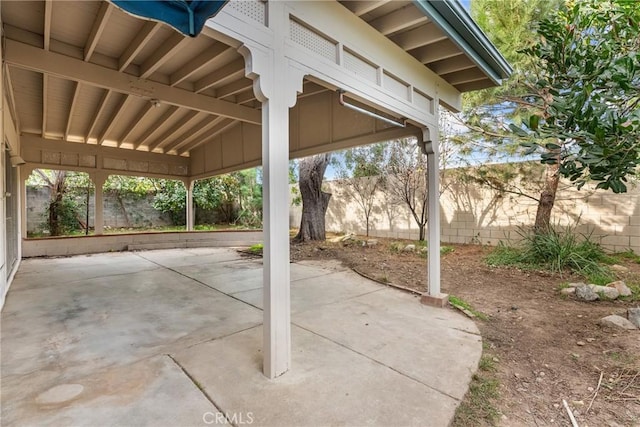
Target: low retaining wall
[66,246]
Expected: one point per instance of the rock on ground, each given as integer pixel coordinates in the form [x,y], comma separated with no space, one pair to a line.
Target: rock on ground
[575,285]
[634,316]
[619,268]
[605,291]
[409,248]
[585,293]
[618,322]
[621,287]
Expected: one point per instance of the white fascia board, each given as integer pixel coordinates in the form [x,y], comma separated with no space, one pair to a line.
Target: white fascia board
[337,23]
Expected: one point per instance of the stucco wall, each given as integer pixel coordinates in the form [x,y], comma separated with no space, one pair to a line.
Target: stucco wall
[473,214]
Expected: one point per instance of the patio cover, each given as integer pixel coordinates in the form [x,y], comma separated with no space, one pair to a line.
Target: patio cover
[90,88]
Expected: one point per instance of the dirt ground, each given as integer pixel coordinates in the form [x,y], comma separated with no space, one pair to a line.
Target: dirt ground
[540,346]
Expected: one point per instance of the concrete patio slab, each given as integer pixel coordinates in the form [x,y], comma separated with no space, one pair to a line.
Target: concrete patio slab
[318,290]
[385,315]
[328,385]
[173,337]
[151,392]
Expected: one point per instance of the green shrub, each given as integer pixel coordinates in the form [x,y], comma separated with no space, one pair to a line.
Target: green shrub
[557,251]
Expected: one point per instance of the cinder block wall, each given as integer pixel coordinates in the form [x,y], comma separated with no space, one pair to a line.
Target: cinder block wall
[473,214]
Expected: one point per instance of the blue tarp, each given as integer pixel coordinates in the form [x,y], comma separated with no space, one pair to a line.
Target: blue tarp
[186,16]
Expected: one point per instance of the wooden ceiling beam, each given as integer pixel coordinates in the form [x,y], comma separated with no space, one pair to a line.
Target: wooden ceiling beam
[32,58]
[220,127]
[169,48]
[97,29]
[198,63]
[155,126]
[137,44]
[178,127]
[146,109]
[124,101]
[72,108]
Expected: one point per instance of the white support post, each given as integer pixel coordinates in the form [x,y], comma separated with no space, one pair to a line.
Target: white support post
[276,85]
[190,208]
[277,300]
[98,216]
[24,173]
[430,147]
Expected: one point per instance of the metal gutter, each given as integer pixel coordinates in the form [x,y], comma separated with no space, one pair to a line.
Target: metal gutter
[455,21]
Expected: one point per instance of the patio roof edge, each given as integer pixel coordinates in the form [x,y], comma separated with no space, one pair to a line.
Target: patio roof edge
[455,21]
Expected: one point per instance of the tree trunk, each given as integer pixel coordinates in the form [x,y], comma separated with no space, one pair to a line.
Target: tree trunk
[57,188]
[421,236]
[314,201]
[547,199]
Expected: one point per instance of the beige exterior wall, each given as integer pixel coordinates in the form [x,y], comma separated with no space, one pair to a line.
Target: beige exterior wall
[472,214]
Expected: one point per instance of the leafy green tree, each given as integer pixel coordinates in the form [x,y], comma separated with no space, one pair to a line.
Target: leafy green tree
[585,92]
[573,96]
[63,208]
[237,197]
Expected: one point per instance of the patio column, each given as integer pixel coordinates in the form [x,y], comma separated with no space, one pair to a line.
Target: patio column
[98,217]
[190,208]
[276,85]
[430,148]
[23,175]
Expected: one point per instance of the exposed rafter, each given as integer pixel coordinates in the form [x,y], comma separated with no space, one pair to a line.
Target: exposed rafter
[360,8]
[198,63]
[33,58]
[46,35]
[101,106]
[178,127]
[137,44]
[226,74]
[457,63]
[223,125]
[115,117]
[96,30]
[169,48]
[155,126]
[398,20]
[146,109]
[436,52]
[234,88]
[418,37]
[45,98]
[465,76]
[74,102]
[11,94]
[200,129]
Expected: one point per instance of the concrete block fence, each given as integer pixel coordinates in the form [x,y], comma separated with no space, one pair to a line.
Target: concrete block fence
[473,214]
